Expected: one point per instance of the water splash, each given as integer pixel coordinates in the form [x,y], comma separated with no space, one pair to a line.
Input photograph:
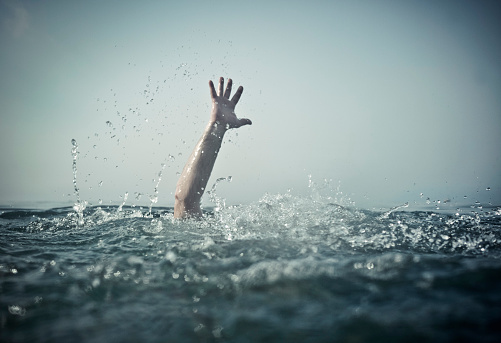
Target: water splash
[393,209]
[154,196]
[123,202]
[219,202]
[80,205]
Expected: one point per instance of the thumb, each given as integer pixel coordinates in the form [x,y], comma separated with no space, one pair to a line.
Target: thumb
[244,121]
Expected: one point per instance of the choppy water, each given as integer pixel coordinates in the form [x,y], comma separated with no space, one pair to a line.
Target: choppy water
[285,268]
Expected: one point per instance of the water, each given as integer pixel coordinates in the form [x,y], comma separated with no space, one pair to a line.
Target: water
[286,268]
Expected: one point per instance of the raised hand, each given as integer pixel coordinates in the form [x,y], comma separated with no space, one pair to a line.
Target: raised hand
[223,109]
[196,173]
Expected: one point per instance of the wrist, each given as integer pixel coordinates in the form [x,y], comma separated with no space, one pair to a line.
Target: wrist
[216,128]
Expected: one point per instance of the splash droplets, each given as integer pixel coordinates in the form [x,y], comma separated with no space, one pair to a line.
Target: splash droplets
[154,197]
[80,205]
[219,202]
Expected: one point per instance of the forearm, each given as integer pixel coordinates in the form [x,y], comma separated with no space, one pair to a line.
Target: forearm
[193,180]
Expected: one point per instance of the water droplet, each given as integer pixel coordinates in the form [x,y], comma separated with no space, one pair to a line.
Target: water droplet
[488,189]
[17,310]
[171,256]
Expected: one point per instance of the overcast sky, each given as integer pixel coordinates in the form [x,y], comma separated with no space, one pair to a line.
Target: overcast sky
[388,99]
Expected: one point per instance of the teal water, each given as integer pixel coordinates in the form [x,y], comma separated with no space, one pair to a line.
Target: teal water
[283,269]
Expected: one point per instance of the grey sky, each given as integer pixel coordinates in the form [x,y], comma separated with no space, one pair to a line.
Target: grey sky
[389,99]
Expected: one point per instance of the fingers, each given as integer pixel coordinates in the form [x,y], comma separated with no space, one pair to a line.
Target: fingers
[237,95]
[221,85]
[227,92]
[213,94]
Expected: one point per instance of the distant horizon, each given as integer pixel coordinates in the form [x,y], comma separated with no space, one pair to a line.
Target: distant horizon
[423,204]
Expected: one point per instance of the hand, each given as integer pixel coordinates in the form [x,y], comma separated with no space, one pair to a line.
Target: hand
[223,109]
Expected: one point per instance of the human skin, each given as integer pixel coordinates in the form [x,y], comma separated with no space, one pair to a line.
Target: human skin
[193,180]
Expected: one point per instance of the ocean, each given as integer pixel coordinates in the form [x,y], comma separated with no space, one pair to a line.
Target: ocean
[286,268]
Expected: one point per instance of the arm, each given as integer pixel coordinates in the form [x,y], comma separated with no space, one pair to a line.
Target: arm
[196,172]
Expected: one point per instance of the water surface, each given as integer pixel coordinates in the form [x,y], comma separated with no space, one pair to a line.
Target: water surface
[285,268]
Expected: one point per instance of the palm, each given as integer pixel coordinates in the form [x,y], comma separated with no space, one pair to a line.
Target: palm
[223,109]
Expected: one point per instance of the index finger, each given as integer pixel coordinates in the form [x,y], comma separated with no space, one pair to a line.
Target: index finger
[237,95]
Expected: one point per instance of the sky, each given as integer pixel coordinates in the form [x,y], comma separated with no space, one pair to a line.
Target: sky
[385,101]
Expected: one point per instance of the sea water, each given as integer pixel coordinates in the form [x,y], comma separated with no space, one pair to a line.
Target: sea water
[286,268]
